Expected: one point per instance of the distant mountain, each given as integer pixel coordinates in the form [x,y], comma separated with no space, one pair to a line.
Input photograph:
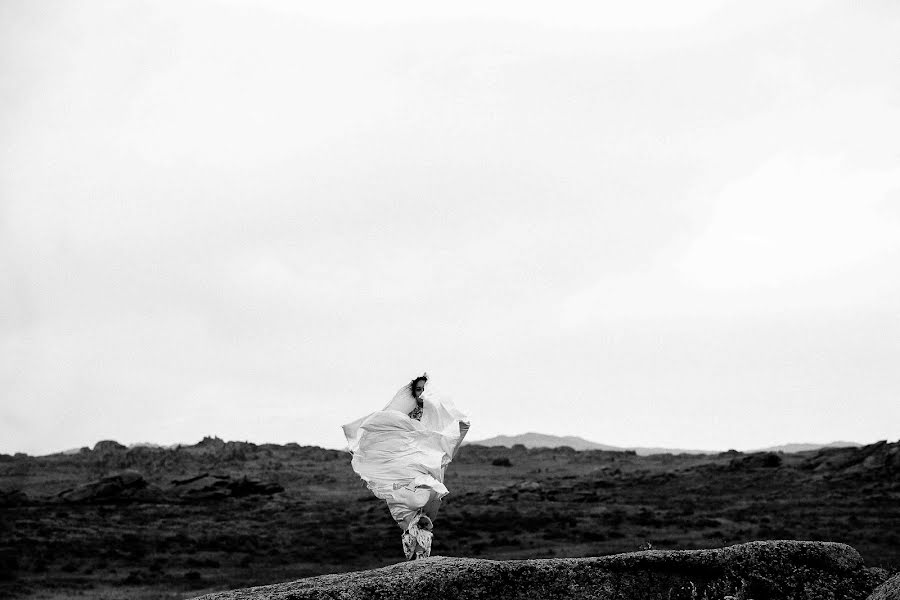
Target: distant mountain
[71,451]
[789,448]
[543,440]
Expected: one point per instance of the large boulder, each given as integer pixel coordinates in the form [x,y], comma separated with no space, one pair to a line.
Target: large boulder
[205,487]
[758,460]
[771,570]
[109,447]
[202,487]
[127,486]
[889,590]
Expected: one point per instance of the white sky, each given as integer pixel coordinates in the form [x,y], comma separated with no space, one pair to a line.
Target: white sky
[644,223]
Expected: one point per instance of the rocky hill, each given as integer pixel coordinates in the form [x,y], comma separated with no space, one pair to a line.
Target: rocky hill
[772,570]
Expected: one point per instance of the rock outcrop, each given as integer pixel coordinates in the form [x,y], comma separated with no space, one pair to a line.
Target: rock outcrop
[879,458]
[759,460]
[889,590]
[217,487]
[121,487]
[130,486]
[108,447]
[769,570]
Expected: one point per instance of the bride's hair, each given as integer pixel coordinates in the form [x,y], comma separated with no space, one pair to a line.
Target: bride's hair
[412,384]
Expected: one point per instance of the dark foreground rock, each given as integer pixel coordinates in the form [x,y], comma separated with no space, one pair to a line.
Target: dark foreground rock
[770,570]
[889,590]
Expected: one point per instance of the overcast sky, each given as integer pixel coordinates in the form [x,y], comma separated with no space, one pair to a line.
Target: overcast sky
[654,223]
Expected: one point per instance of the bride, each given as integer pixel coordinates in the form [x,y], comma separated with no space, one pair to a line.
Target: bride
[402,452]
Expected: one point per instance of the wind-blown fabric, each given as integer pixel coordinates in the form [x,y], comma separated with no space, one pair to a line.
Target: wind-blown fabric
[403,460]
[417,539]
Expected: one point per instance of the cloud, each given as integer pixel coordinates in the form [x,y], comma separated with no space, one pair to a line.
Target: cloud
[794,221]
[798,234]
[283,211]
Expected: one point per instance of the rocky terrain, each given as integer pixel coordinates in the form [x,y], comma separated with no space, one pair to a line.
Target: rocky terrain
[146,523]
[761,570]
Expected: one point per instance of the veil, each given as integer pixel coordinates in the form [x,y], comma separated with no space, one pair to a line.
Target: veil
[403,460]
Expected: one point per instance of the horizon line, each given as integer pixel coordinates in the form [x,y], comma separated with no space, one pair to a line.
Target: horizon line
[466,442]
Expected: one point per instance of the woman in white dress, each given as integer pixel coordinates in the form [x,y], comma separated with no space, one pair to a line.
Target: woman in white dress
[402,453]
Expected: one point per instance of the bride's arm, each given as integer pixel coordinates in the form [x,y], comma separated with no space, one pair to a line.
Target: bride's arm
[463,430]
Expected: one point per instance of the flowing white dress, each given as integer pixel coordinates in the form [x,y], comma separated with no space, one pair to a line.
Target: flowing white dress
[403,460]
